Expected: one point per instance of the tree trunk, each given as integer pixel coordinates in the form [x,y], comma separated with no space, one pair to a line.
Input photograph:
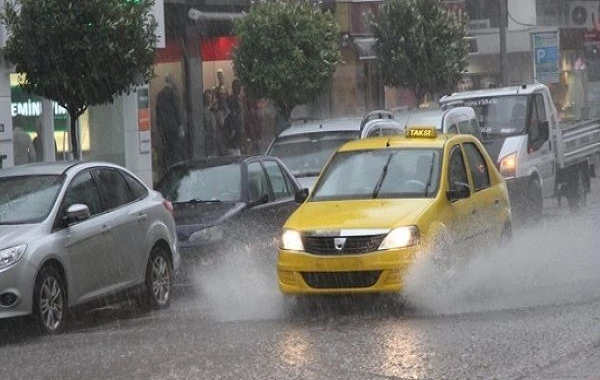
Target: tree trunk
[74,136]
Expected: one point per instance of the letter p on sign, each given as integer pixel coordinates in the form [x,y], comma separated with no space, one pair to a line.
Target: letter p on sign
[540,55]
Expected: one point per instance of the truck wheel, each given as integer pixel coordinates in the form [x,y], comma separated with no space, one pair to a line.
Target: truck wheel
[534,202]
[576,190]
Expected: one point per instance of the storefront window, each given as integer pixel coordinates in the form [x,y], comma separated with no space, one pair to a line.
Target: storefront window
[26,112]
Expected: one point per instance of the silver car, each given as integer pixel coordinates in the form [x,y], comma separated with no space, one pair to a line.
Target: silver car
[76,232]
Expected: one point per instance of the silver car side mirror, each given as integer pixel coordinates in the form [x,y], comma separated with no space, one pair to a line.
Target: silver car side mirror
[77,212]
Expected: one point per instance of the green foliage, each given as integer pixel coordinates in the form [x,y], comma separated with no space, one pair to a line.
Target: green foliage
[287,51]
[80,53]
[420,45]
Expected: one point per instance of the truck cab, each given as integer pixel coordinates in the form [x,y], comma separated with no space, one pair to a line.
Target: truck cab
[521,132]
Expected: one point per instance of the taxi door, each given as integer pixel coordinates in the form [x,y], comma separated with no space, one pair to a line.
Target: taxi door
[461,210]
[484,199]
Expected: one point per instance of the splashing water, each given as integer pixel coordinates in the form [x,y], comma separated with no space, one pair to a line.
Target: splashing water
[554,262]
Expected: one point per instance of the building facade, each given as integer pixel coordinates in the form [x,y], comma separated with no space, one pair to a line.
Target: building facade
[552,41]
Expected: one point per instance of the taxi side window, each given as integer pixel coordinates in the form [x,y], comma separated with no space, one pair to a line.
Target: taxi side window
[458,171]
[478,166]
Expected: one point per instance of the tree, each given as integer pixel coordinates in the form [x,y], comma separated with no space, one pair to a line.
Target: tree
[420,45]
[80,53]
[287,51]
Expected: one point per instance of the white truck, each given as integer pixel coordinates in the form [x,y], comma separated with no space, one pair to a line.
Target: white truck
[539,156]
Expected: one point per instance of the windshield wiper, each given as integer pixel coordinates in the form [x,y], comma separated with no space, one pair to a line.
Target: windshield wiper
[196,200]
[383,174]
[430,178]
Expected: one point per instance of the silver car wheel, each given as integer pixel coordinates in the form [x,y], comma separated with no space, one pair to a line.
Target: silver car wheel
[161,280]
[51,303]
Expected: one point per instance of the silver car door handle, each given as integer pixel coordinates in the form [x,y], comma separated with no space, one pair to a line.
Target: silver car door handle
[106,229]
[142,217]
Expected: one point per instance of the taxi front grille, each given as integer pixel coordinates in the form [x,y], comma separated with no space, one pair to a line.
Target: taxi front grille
[341,280]
[329,245]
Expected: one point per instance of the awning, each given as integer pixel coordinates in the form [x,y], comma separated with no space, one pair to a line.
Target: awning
[364,46]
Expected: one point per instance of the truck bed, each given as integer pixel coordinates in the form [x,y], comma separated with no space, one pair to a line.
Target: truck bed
[577,141]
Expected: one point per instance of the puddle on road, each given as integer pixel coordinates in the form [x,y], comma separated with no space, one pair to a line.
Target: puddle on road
[555,262]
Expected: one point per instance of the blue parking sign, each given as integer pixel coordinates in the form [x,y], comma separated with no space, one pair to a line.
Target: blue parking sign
[546,54]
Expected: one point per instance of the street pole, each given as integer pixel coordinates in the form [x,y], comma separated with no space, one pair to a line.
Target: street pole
[47,131]
[503,25]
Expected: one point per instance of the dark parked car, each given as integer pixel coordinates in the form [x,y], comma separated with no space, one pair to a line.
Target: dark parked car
[225,204]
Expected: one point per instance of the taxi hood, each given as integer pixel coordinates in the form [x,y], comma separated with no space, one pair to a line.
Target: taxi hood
[368,213]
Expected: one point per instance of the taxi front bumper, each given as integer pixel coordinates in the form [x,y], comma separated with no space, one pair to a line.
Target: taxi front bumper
[376,272]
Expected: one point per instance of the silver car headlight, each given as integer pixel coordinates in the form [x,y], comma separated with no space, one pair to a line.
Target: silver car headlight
[11,255]
[400,237]
[207,234]
[291,240]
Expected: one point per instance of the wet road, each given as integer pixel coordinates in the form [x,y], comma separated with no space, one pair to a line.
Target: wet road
[528,311]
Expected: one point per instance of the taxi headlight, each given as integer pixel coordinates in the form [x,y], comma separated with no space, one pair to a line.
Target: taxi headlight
[11,255]
[400,237]
[207,234]
[508,165]
[291,240]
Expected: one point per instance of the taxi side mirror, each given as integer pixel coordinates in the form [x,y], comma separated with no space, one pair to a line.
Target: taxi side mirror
[460,190]
[301,195]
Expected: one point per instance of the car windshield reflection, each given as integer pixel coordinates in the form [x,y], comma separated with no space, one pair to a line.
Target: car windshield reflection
[390,173]
[196,184]
[28,199]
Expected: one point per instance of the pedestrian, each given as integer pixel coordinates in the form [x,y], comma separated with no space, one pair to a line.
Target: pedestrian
[252,126]
[220,110]
[211,140]
[233,128]
[37,143]
[24,151]
[169,123]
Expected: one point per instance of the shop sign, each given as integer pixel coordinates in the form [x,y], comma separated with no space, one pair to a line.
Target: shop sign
[30,107]
[546,56]
[143,107]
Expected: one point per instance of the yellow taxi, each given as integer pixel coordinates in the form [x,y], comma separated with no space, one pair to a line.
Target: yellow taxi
[380,202]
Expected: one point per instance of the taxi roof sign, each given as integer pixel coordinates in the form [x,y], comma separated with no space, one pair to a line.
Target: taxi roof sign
[421,132]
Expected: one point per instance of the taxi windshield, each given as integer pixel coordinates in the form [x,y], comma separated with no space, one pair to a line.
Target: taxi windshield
[383,173]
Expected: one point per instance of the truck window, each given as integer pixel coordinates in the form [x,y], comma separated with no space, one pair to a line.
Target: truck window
[478,166]
[538,114]
[539,101]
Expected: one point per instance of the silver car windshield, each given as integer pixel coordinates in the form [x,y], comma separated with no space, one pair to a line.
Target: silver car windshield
[203,184]
[389,173]
[305,155]
[28,199]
